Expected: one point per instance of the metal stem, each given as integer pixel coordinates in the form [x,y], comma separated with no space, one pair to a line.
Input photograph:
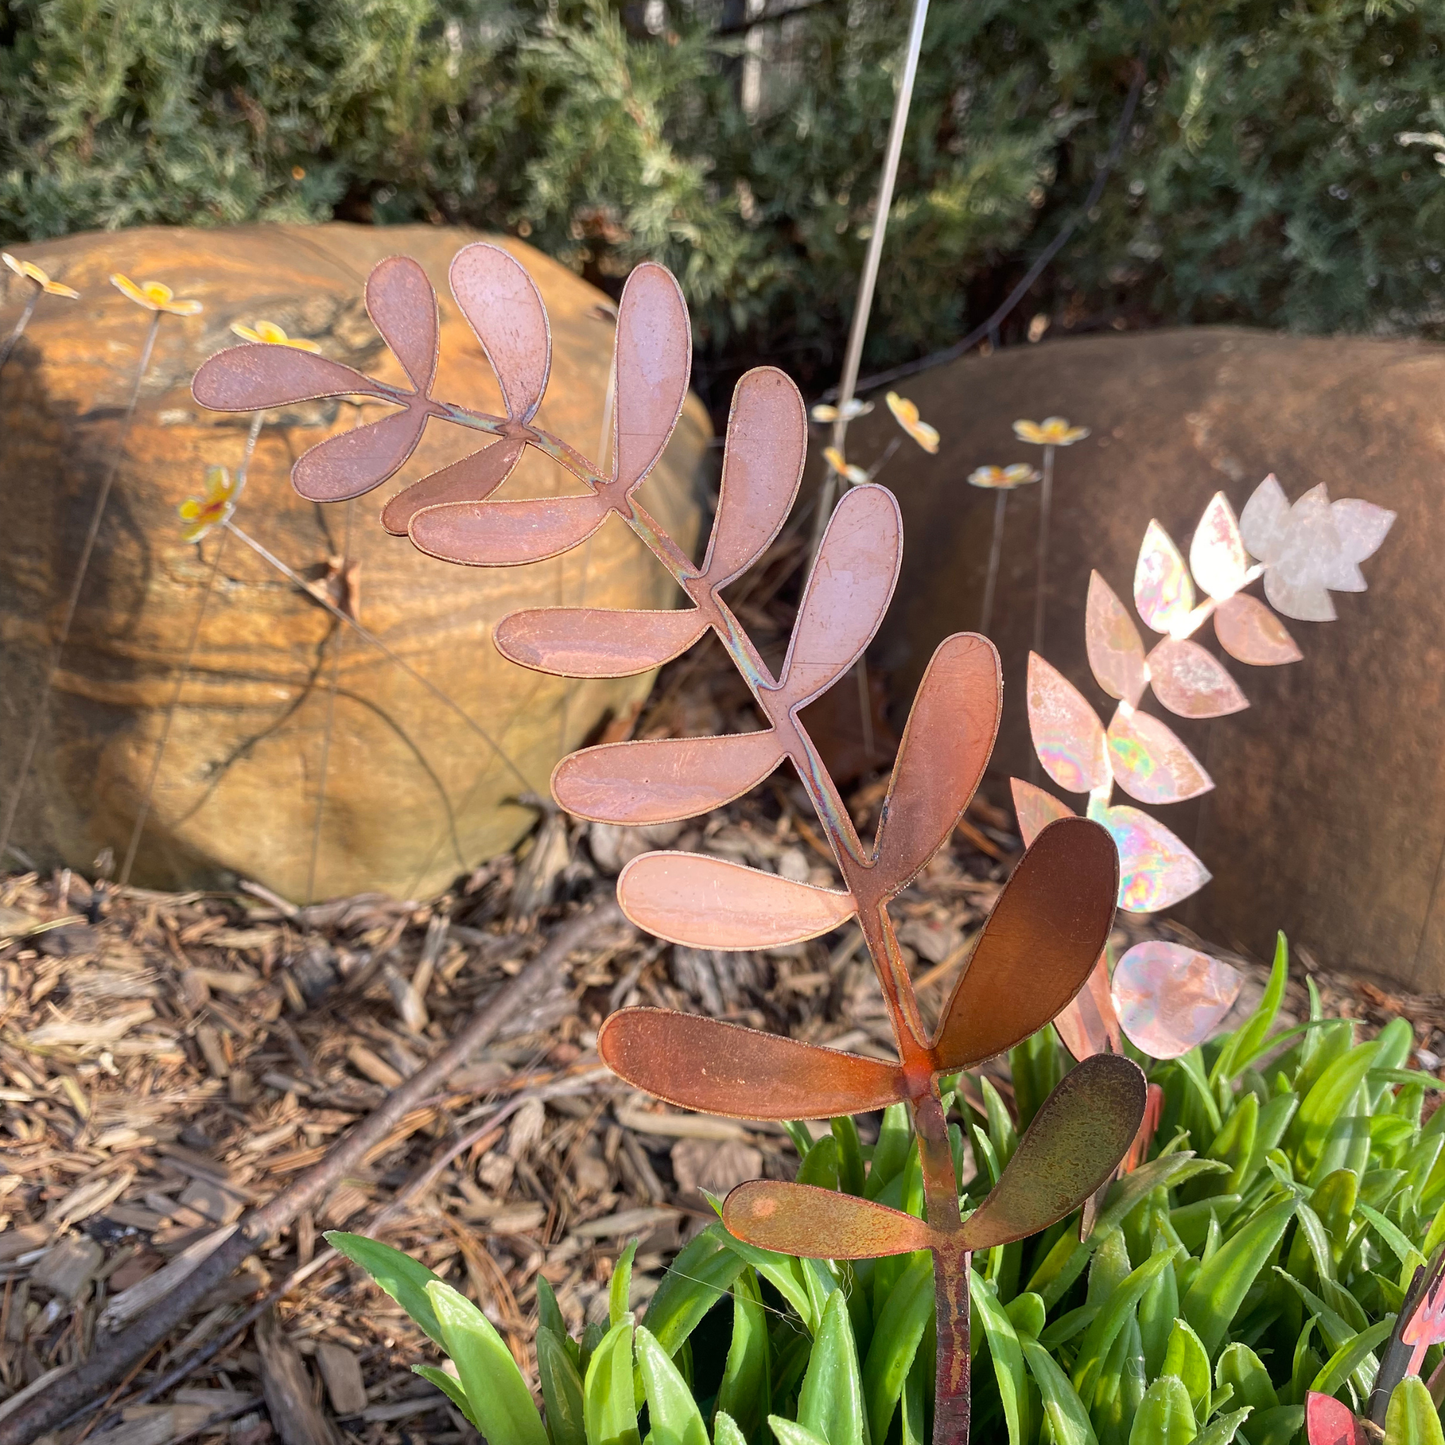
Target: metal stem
[338,638]
[27,755]
[1041,579]
[995,554]
[13,340]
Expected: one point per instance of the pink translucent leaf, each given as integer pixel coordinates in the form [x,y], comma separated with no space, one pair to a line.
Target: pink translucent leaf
[255,377]
[1089,1025]
[1249,631]
[1362,527]
[358,460]
[403,307]
[1163,591]
[945,748]
[767,440]
[1067,733]
[472,479]
[813,1223]
[1192,682]
[1329,1421]
[847,592]
[1216,555]
[504,307]
[1149,761]
[1264,522]
[1310,560]
[506,534]
[1156,869]
[704,902]
[1035,809]
[662,780]
[1116,654]
[596,641]
[654,362]
[1170,998]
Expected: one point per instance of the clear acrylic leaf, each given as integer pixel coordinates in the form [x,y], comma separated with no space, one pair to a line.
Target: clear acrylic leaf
[847,592]
[813,1223]
[1035,809]
[503,306]
[1308,562]
[403,307]
[1216,555]
[741,1073]
[945,748]
[1156,869]
[1192,682]
[255,378]
[351,464]
[507,534]
[1116,654]
[1362,527]
[767,441]
[472,479]
[653,362]
[704,902]
[1248,631]
[663,780]
[1067,733]
[596,641]
[1262,523]
[1163,591]
[1149,761]
[1170,998]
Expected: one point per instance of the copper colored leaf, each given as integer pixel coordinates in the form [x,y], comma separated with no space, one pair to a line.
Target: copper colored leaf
[1035,809]
[654,362]
[1170,998]
[945,748]
[1156,869]
[707,902]
[1074,1144]
[1163,590]
[1116,655]
[662,780]
[403,307]
[472,479]
[721,1068]
[1048,927]
[847,592]
[1329,1421]
[505,309]
[1149,761]
[1192,682]
[1067,733]
[767,440]
[801,1219]
[358,460]
[1249,631]
[1089,1025]
[507,534]
[596,641]
[1216,555]
[254,377]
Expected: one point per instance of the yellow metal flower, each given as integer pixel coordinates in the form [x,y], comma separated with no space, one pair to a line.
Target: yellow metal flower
[202,514]
[843,467]
[1053,431]
[154,296]
[1003,478]
[272,335]
[905,413]
[31,272]
[824,411]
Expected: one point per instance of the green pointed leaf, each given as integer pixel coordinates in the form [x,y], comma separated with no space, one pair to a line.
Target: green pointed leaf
[561,1389]
[890,1153]
[1166,1416]
[1068,1420]
[830,1403]
[1251,1038]
[1027,1314]
[621,1285]
[402,1277]
[896,1334]
[501,1402]
[746,1388]
[1159,1306]
[1221,1284]
[1411,1418]
[1327,1101]
[1112,1318]
[609,1406]
[789,1433]
[851,1178]
[1222,1431]
[1121,1388]
[1351,1355]
[1242,1369]
[671,1409]
[725,1430]
[1185,1359]
[449,1387]
[820,1168]
[1005,1351]
[698,1278]
[1279,1426]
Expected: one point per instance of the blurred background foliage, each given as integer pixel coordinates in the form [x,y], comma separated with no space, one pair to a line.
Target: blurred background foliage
[1263,179]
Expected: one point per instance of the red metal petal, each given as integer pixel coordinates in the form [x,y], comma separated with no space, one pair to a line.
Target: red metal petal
[403,307]
[507,534]
[1089,1025]
[1035,809]
[801,1219]
[707,902]
[358,460]
[1047,929]
[847,592]
[505,309]
[663,780]
[654,362]
[596,641]
[1330,1422]
[1249,631]
[721,1068]
[767,441]
[945,748]
[254,377]
[1192,682]
[1074,1144]
[473,479]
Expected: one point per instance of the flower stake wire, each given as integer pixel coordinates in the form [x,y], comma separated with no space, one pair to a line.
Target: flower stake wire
[1001,481]
[1050,434]
[44,286]
[1053,917]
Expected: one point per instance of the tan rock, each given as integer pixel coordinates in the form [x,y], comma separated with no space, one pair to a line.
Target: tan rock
[412,795]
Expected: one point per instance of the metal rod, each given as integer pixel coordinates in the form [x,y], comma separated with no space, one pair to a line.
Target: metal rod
[1041,579]
[995,555]
[13,339]
[338,638]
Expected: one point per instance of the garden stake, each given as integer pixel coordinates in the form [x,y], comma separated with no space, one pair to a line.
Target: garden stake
[1001,480]
[1053,917]
[44,286]
[336,644]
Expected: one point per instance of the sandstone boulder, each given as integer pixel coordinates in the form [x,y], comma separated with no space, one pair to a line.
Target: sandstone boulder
[411,794]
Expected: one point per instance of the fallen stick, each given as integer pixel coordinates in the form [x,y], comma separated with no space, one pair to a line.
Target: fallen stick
[81,1387]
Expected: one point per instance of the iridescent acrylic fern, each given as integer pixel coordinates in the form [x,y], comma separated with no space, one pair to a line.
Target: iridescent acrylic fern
[1054,915]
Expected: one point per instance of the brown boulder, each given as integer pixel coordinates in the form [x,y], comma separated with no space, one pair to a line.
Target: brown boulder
[412,795]
[1328,815]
